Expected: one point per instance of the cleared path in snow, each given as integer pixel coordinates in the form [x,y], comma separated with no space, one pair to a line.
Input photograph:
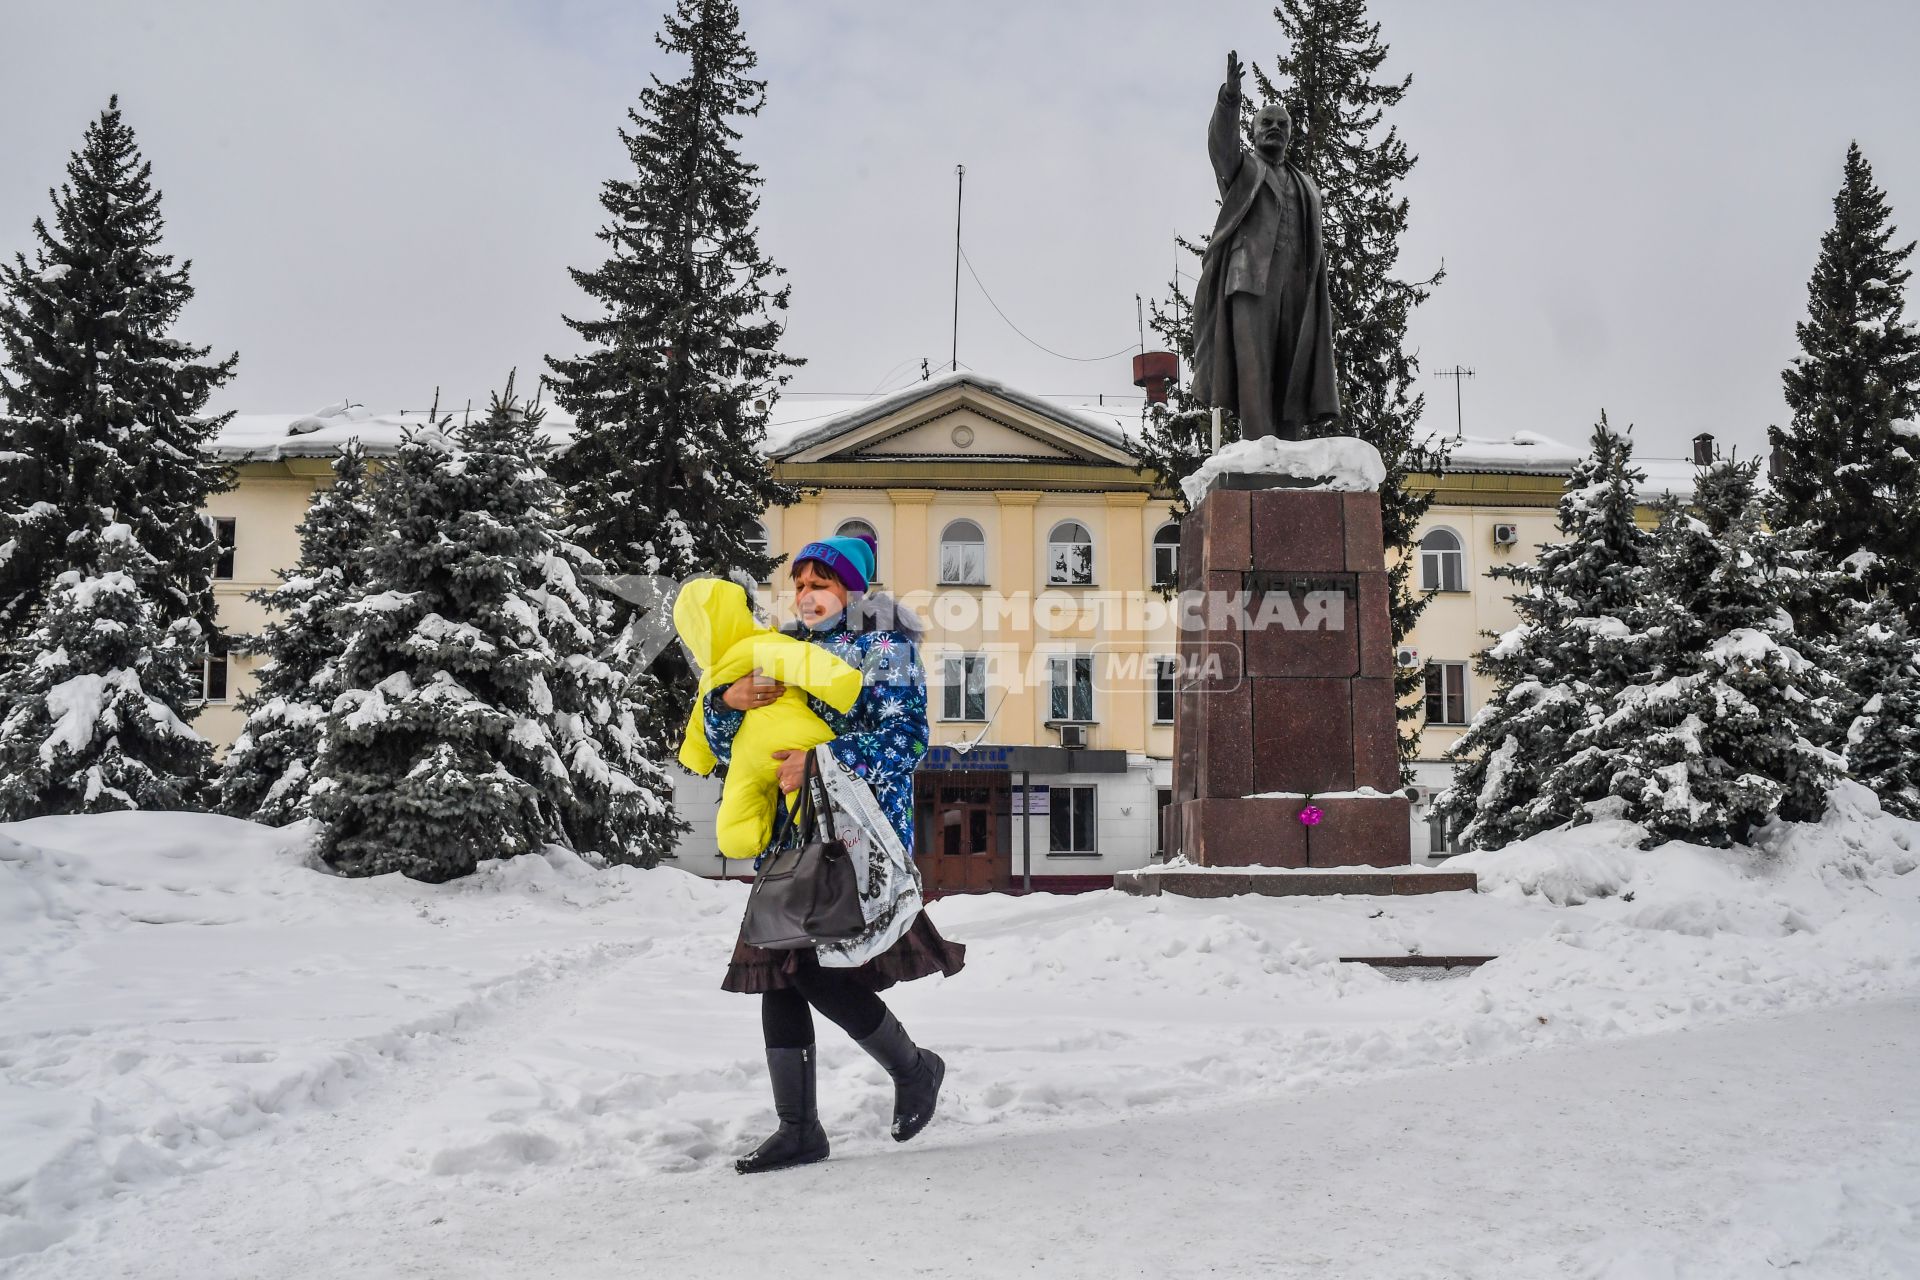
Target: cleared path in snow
[1732,1151]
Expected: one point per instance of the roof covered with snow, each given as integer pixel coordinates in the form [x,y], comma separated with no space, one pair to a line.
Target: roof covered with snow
[268,437]
[798,423]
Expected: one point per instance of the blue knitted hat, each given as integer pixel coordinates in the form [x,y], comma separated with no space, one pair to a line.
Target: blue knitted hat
[850,559]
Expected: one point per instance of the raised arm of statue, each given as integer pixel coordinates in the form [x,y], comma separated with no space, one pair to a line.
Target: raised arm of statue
[1223,131]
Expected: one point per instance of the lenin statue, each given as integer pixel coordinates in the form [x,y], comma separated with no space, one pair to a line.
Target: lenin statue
[1262,320]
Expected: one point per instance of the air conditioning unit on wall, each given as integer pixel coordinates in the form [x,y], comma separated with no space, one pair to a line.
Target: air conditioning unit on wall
[1407,656]
[1506,535]
[1073,737]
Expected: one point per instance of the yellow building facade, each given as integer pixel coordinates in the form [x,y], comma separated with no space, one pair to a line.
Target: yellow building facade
[1025,536]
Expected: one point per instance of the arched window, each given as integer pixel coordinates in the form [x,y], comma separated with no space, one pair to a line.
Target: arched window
[1166,556]
[758,542]
[1443,562]
[857,528]
[1070,555]
[963,555]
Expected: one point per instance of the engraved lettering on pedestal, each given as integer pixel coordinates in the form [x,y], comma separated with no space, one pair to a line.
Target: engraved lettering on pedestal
[1299,601]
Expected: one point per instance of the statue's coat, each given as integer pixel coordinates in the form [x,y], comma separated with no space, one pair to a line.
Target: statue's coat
[1308,390]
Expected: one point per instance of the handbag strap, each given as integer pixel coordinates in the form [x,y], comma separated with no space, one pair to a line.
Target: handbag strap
[814,802]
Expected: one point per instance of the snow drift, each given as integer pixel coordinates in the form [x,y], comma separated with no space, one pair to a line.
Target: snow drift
[184,994]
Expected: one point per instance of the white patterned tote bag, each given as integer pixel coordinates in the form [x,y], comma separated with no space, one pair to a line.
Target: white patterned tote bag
[889,882]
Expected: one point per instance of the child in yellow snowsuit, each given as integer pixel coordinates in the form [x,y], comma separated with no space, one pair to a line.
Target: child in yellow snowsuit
[717,625]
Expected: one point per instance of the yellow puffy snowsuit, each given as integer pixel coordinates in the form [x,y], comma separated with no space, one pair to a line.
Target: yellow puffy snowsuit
[713,618]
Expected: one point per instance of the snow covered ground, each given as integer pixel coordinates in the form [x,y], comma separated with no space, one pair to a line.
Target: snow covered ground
[216,1060]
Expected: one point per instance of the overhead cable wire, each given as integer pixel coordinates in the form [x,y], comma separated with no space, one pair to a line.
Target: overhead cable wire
[1131,346]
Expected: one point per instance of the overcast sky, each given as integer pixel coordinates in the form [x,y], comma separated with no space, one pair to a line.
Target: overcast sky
[382,198]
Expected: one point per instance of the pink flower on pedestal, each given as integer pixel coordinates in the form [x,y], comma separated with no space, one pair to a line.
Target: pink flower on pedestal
[1311,815]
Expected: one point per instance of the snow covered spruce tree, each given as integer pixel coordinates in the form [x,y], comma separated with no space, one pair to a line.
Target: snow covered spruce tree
[268,769]
[1880,667]
[475,718]
[1175,441]
[99,406]
[1723,733]
[1583,616]
[92,693]
[1329,80]
[1848,463]
[666,476]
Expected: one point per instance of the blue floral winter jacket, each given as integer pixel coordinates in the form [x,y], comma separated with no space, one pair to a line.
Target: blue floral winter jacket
[884,734]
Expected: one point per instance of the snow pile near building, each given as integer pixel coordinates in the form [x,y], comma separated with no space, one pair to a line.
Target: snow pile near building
[1329,462]
[187,1002]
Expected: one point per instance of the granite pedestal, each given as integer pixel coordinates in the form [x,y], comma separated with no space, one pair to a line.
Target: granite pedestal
[1284,692]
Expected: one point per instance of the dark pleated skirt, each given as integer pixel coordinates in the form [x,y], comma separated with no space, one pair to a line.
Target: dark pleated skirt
[920,951]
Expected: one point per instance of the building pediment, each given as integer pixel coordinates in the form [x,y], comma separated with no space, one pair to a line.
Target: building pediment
[961,419]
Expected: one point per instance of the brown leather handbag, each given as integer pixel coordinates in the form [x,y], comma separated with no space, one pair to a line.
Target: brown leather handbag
[807,891]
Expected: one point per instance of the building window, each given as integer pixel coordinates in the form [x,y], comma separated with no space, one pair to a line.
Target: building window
[862,529]
[225,530]
[965,694]
[1443,563]
[1437,841]
[1072,695]
[1163,699]
[1446,693]
[1071,821]
[758,542]
[1070,555]
[213,673]
[963,555]
[1162,801]
[1166,556]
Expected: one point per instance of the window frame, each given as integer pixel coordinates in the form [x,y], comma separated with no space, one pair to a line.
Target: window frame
[946,541]
[223,566]
[207,660]
[967,663]
[1068,663]
[1055,545]
[1077,813]
[1166,670]
[1172,578]
[1434,562]
[1445,695]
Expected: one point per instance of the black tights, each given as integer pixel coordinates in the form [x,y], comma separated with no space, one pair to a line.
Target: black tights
[787,1022]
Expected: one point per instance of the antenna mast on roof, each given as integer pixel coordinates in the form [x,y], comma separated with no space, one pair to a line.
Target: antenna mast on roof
[1459,374]
[959,195]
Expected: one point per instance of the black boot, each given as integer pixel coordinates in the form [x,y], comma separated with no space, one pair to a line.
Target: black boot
[916,1073]
[799,1139]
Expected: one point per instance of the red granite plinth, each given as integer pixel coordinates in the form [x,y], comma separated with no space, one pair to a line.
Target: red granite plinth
[1266,831]
[1285,684]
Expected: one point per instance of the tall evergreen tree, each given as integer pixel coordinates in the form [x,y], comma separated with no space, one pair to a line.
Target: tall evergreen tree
[92,693]
[1723,732]
[1881,718]
[1584,615]
[100,402]
[1329,80]
[666,476]
[1846,463]
[477,718]
[267,771]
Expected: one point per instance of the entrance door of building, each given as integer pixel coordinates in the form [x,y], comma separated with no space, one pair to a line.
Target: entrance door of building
[957,825]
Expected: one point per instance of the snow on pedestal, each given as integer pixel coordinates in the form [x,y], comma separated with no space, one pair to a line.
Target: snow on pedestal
[1331,462]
